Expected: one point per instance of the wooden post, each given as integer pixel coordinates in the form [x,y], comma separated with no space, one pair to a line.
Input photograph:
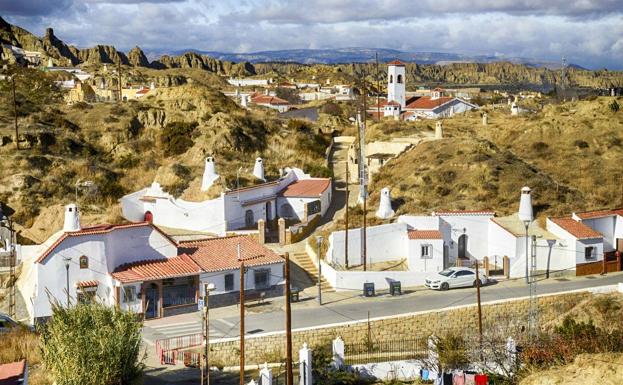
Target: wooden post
[15,112]
[242,323]
[365,247]
[281,228]
[289,376]
[261,230]
[479,305]
[206,327]
[346,230]
[507,266]
[618,255]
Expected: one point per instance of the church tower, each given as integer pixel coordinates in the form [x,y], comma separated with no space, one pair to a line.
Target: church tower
[396,82]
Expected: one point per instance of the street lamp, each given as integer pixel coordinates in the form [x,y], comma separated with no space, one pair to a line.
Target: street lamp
[526,216]
[526,224]
[67,261]
[319,243]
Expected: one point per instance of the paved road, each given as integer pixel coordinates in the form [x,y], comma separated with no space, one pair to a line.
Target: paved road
[349,306]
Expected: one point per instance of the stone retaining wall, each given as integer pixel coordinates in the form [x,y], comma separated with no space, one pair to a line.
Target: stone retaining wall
[508,315]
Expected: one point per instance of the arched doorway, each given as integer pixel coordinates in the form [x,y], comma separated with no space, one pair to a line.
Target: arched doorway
[149,217]
[269,212]
[249,220]
[286,210]
[463,246]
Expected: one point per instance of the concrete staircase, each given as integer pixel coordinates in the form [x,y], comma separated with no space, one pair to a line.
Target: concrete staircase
[305,262]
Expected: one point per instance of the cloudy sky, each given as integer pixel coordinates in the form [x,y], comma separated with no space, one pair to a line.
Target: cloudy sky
[587,32]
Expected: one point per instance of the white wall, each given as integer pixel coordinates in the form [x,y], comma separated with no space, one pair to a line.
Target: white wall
[218,278]
[582,244]
[135,306]
[477,230]
[354,280]
[105,253]
[384,243]
[417,263]
[605,226]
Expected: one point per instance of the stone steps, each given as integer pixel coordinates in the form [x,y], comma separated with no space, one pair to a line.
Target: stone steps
[305,263]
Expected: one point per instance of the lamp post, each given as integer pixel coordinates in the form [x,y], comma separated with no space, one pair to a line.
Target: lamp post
[67,261]
[7,223]
[319,243]
[526,223]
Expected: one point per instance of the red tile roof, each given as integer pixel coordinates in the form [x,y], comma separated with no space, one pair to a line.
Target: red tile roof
[425,234]
[84,284]
[148,270]
[13,373]
[143,91]
[306,188]
[220,254]
[578,229]
[396,63]
[463,212]
[100,229]
[267,99]
[392,103]
[427,103]
[600,213]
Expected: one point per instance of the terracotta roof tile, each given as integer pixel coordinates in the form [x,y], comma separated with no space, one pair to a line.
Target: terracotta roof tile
[220,254]
[463,212]
[11,374]
[396,63]
[600,213]
[427,103]
[425,234]
[148,270]
[100,229]
[306,188]
[578,229]
[84,284]
[267,99]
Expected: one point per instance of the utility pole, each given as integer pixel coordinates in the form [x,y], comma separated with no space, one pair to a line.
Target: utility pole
[363,172]
[119,78]
[378,87]
[346,230]
[241,320]
[289,376]
[205,328]
[533,313]
[15,112]
[479,305]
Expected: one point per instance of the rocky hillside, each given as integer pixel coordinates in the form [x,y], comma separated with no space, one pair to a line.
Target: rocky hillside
[569,154]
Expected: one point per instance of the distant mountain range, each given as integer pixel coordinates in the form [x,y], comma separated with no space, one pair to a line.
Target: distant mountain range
[358,55]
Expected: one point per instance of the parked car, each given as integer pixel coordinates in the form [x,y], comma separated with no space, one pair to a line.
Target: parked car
[7,323]
[455,277]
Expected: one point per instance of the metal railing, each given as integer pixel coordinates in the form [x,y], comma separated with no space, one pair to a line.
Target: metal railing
[382,351]
[168,348]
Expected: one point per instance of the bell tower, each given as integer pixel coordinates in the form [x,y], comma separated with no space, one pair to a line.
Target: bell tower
[396,82]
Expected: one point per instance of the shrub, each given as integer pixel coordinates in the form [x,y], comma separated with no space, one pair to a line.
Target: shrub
[332,108]
[82,106]
[540,146]
[614,106]
[92,344]
[176,137]
[580,144]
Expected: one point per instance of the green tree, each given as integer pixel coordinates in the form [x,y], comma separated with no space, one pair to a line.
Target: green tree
[92,344]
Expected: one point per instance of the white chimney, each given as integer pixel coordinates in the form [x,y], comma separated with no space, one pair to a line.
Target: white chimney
[72,218]
[514,109]
[438,130]
[243,100]
[485,119]
[152,86]
[209,174]
[258,169]
[385,206]
[525,205]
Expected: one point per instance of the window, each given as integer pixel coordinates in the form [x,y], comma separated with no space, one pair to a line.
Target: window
[427,251]
[462,273]
[129,294]
[399,79]
[229,282]
[86,295]
[590,252]
[391,78]
[84,262]
[261,278]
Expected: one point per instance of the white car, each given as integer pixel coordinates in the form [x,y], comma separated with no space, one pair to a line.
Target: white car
[455,277]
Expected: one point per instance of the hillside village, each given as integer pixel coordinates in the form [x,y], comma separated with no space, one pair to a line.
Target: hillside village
[262,191]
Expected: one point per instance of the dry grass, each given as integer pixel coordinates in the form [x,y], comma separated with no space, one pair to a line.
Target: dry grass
[21,344]
[603,369]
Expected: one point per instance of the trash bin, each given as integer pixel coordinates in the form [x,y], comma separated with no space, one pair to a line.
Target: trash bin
[395,288]
[294,295]
[368,289]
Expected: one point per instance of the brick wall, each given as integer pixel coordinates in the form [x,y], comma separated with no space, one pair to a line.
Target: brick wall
[271,347]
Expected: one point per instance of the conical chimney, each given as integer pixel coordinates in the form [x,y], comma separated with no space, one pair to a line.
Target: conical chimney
[258,169]
[385,206]
[209,174]
[439,130]
[525,205]
[72,218]
[485,119]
